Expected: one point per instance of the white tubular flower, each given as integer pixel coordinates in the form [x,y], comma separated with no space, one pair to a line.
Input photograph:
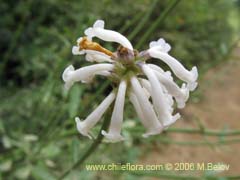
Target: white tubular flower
[76,50]
[84,127]
[107,35]
[114,133]
[181,95]
[84,74]
[146,84]
[138,109]
[150,127]
[156,68]
[147,109]
[160,45]
[151,90]
[158,98]
[160,51]
[168,74]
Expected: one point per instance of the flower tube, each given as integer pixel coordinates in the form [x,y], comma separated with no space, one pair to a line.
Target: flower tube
[150,128]
[167,74]
[107,35]
[114,133]
[146,84]
[159,100]
[159,51]
[147,109]
[181,95]
[84,74]
[84,127]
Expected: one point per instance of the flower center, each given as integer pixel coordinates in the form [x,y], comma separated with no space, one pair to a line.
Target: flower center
[126,64]
[125,60]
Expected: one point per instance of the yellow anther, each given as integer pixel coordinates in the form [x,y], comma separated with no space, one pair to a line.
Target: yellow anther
[86,44]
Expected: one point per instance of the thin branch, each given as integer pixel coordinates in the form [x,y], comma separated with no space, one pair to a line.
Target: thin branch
[145,18]
[207,132]
[159,20]
[166,140]
[199,143]
[131,22]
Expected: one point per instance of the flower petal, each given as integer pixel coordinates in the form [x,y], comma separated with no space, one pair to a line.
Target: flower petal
[156,68]
[146,84]
[188,76]
[97,56]
[155,127]
[107,35]
[66,76]
[159,100]
[85,126]
[83,74]
[160,70]
[160,45]
[138,109]
[114,133]
[181,95]
[151,129]
[76,51]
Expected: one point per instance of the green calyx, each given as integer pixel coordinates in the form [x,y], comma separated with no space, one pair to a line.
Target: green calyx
[125,69]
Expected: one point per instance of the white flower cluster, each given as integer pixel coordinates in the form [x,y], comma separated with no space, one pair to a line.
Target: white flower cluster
[143,83]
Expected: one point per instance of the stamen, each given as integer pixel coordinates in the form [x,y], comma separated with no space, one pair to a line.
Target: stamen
[87,44]
[124,53]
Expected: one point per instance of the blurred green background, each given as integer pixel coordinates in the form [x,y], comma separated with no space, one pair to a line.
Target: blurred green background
[38,134]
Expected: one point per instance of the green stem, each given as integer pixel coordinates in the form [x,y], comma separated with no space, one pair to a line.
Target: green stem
[135,19]
[145,18]
[198,143]
[92,148]
[159,20]
[207,132]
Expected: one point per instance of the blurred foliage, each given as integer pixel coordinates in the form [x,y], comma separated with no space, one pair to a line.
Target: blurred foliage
[35,45]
